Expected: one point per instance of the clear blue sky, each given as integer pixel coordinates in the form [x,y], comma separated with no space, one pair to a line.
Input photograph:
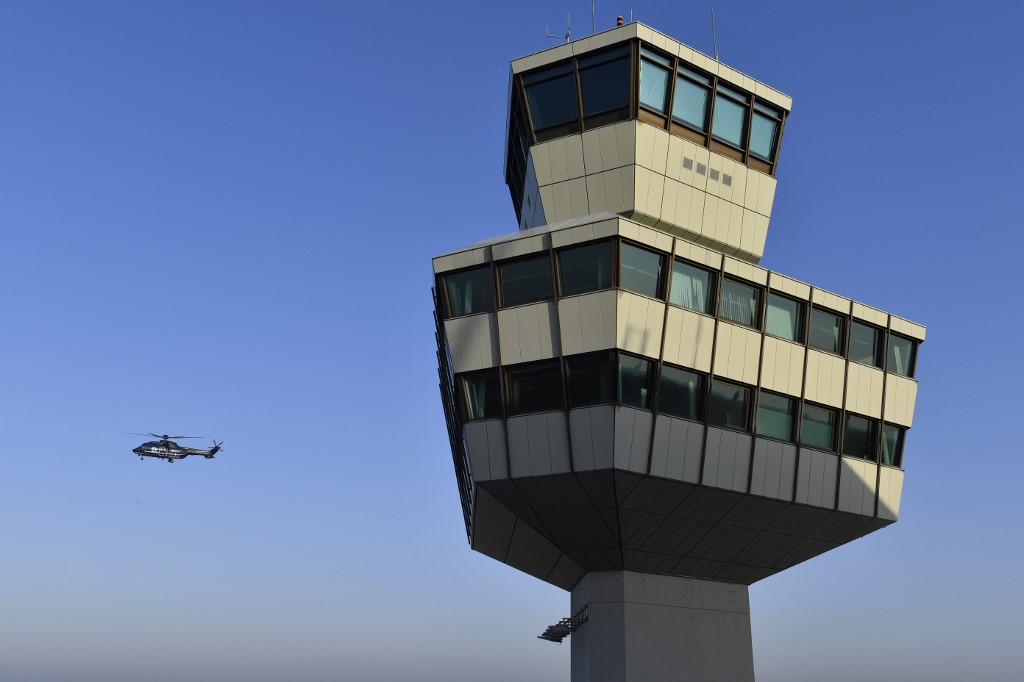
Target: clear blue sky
[218,218]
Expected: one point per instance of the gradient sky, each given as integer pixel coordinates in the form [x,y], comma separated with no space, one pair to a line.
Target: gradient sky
[217,218]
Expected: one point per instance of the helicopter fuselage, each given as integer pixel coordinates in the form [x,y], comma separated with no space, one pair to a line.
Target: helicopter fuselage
[169,450]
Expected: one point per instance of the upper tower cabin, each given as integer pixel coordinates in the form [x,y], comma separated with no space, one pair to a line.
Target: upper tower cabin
[632,122]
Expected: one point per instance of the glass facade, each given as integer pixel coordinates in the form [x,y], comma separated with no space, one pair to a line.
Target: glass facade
[691,287]
[551,95]
[892,445]
[635,381]
[590,379]
[604,81]
[585,268]
[865,344]
[728,405]
[481,393]
[900,359]
[859,435]
[776,415]
[826,331]
[525,280]
[785,318]
[818,427]
[680,393]
[690,104]
[739,303]
[469,291]
[535,388]
[730,117]
[654,74]
[641,270]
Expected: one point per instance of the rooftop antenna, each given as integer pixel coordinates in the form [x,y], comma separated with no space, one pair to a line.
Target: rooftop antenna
[568,31]
[593,17]
[714,33]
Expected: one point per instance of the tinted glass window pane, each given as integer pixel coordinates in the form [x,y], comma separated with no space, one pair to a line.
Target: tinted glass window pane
[865,344]
[470,291]
[605,87]
[826,331]
[739,303]
[728,406]
[729,122]
[859,437]
[817,427]
[762,136]
[590,379]
[552,102]
[785,318]
[679,393]
[641,270]
[691,287]
[585,268]
[525,280]
[634,381]
[690,104]
[481,392]
[775,415]
[892,445]
[536,388]
[901,356]
[653,85]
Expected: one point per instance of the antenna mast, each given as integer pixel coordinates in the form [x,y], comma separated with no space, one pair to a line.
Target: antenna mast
[568,31]
[714,33]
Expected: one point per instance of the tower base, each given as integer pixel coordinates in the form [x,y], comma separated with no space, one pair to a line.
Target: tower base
[643,627]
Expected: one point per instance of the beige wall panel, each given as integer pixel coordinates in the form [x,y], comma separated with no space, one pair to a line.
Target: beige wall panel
[898,325]
[715,187]
[782,366]
[592,433]
[827,299]
[669,200]
[473,342]
[726,460]
[760,235]
[674,158]
[547,201]
[607,228]
[608,140]
[572,235]
[486,443]
[752,190]
[689,338]
[632,438]
[900,397]
[561,204]
[788,286]
[655,194]
[869,314]
[698,254]
[864,390]
[444,263]
[557,159]
[773,469]
[858,480]
[541,157]
[825,378]
[645,141]
[690,209]
[677,450]
[471,257]
[639,324]
[587,322]
[696,156]
[574,156]
[711,233]
[816,478]
[538,444]
[625,138]
[513,248]
[765,195]
[604,191]
[890,491]
[746,271]
[737,353]
[578,197]
[641,188]
[626,182]
[735,229]
[739,184]
[528,332]
[592,161]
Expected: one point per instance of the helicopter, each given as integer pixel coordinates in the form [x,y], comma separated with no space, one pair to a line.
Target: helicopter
[166,448]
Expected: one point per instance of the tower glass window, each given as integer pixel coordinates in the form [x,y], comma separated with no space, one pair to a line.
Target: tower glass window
[525,280]
[730,118]
[641,270]
[818,427]
[536,387]
[691,287]
[764,130]
[481,395]
[590,379]
[892,444]
[826,331]
[690,103]
[680,393]
[585,268]
[728,405]
[654,74]
[635,381]
[865,344]
[469,291]
[775,416]
[859,436]
[604,81]
[785,317]
[900,359]
[551,95]
[739,302]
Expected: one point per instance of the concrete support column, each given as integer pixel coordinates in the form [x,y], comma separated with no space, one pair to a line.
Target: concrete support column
[658,628]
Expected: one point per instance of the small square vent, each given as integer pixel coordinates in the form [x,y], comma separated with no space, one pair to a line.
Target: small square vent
[726,180]
[713,175]
[687,163]
[701,169]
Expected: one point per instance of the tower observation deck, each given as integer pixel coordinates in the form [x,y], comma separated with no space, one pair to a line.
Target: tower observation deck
[638,412]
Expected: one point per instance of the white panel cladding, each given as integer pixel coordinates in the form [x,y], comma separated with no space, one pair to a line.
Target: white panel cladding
[591,431]
[639,323]
[587,322]
[689,339]
[869,314]
[641,234]
[773,469]
[521,246]
[890,490]
[816,478]
[789,286]
[825,378]
[486,443]
[632,438]
[462,259]
[858,480]
[900,396]
[901,326]
[827,299]
[727,460]
[678,449]
[472,341]
[737,352]
[528,332]
[538,444]
[864,389]
[782,366]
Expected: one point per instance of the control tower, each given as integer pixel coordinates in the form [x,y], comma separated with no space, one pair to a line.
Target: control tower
[638,412]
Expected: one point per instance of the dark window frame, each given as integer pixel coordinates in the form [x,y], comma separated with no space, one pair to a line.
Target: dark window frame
[703,386]
[844,328]
[836,426]
[461,384]
[442,285]
[499,293]
[914,343]
[802,322]
[796,414]
[873,440]
[759,304]
[508,385]
[881,343]
[713,286]
[662,278]
[748,406]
